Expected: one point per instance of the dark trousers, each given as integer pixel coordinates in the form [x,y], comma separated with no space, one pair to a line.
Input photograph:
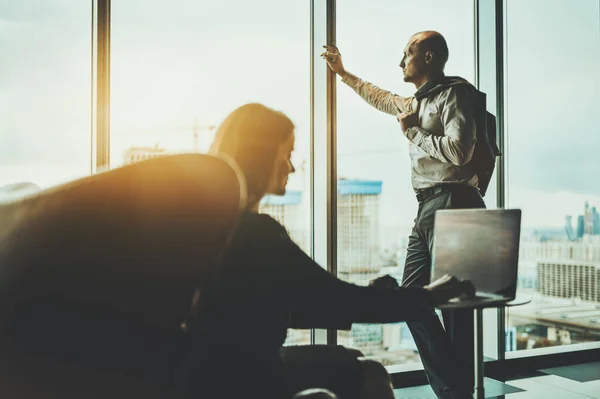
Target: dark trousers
[447,354]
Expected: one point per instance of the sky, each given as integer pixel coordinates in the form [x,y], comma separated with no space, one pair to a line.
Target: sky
[193,62]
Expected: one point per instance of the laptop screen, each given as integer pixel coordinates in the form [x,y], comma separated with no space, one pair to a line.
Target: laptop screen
[479,245]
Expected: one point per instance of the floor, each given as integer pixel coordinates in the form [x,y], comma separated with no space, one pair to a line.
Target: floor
[581,381]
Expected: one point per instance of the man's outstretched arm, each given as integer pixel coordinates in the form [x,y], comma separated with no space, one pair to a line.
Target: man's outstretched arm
[383,100]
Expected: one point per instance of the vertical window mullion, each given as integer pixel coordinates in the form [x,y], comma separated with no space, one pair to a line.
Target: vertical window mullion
[103,86]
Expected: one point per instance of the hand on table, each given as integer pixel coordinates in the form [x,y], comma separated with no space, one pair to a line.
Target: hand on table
[448,287]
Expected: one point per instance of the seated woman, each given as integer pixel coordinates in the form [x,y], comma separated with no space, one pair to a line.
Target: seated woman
[268,284]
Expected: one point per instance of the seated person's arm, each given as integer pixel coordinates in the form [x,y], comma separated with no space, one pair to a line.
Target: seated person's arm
[321,300]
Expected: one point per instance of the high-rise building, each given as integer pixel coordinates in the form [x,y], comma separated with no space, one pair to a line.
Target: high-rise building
[595,222]
[569,279]
[532,249]
[589,222]
[565,291]
[569,228]
[538,258]
[580,226]
[358,256]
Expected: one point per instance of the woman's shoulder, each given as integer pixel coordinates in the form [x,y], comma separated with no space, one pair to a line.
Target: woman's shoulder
[258,223]
[258,237]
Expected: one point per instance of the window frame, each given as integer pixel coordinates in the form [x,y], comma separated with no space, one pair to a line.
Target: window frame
[489,19]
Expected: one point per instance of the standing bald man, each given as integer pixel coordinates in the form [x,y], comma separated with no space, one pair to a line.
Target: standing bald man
[439,122]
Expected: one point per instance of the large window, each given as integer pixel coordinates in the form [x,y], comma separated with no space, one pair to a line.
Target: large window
[376,203]
[553,59]
[45,81]
[178,70]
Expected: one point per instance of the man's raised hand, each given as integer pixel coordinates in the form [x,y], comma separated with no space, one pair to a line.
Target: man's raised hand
[334,59]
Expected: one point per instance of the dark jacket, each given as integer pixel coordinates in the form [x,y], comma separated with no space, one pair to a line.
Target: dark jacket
[267,285]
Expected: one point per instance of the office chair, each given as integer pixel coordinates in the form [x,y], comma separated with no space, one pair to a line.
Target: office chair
[97,275]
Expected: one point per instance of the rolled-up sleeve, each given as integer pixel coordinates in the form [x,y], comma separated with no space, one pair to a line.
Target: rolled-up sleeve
[382,100]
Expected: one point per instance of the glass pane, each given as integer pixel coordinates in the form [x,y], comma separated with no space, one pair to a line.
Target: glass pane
[553,169]
[376,203]
[177,71]
[45,80]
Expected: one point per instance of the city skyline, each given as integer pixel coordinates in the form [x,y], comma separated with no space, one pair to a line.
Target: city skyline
[561,275]
[177,71]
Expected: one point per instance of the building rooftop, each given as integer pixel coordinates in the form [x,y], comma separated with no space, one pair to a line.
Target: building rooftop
[364,187]
[291,197]
[569,262]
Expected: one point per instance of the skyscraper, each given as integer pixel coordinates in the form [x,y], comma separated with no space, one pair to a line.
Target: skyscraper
[595,222]
[569,279]
[580,226]
[588,220]
[358,257]
[588,223]
[569,228]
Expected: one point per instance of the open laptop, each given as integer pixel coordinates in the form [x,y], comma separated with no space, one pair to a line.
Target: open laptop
[480,245]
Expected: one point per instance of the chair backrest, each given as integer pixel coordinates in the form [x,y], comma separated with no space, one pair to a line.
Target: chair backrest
[100,272]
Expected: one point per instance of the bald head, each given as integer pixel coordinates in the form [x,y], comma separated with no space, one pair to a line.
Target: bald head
[432,42]
[425,57]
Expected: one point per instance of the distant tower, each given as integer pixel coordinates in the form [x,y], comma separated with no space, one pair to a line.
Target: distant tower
[595,222]
[569,228]
[588,226]
[580,226]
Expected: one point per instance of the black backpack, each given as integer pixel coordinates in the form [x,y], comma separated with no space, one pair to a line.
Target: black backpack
[486,149]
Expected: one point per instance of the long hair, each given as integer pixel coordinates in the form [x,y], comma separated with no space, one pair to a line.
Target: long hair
[251,135]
